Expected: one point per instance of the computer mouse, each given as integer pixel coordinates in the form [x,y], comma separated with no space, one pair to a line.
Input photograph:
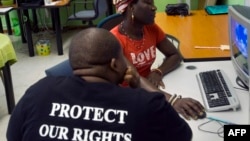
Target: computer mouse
[191,67]
[203,115]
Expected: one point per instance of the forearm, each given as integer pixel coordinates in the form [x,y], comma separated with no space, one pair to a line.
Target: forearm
[169,64]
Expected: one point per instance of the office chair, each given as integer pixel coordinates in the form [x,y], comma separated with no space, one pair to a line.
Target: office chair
[61,69]
[110,21]
[174,40]
[88,10]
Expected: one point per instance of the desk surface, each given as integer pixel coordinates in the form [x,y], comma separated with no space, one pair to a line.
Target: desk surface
[197,29]
[60,3]
[7,52]
[4,10]
[183,81]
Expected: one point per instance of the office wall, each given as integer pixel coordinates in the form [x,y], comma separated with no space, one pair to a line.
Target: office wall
[231,2]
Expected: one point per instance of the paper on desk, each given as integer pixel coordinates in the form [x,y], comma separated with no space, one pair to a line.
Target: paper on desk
[5,9]
[222,47]
[50,2]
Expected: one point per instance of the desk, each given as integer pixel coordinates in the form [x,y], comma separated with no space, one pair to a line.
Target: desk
[183,81]
[55,17]
[5,11]
[197,29]
[56,24]
[7,58]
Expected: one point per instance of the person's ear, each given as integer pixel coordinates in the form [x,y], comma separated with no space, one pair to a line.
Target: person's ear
[113,64]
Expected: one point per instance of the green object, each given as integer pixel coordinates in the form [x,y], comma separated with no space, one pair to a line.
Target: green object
[16,26]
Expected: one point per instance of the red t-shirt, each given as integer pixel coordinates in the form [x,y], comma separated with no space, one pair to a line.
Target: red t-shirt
[141,53]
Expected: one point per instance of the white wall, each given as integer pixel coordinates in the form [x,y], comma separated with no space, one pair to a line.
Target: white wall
[247,2]
[210,2]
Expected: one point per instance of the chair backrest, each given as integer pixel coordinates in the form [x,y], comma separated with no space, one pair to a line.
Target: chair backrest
[61,69]
[102,7]
[110,21]
[174,40]
[90,9]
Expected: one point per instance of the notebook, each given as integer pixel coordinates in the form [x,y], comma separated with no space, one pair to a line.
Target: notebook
[217,9]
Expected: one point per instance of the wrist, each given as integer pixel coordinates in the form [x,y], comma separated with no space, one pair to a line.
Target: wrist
[158,71]
[174,98]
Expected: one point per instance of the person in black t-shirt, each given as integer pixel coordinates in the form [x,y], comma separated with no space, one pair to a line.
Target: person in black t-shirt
[91,106]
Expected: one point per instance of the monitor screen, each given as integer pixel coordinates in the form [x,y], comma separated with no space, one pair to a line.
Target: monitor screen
[239,32]
[239,44]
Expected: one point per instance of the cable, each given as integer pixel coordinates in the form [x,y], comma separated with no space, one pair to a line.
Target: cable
[219,131]
[243,89]
[241,84]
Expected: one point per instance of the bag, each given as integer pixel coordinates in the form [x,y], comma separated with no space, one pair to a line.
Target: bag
[177,9]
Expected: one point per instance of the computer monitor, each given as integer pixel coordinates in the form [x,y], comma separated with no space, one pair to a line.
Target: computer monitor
[247,2]
[239,35]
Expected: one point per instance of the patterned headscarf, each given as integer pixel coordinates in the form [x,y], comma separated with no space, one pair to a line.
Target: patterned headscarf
[121,5]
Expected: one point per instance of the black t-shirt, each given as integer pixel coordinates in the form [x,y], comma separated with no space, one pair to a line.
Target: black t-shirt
[69,108]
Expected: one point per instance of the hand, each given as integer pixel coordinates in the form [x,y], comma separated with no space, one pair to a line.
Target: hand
[189,107]
[132,78]
[156,79]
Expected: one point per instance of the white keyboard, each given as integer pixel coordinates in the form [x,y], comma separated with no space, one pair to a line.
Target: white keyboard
[217,91]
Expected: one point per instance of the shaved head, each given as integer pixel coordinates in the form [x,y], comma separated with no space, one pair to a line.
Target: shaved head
[93,46]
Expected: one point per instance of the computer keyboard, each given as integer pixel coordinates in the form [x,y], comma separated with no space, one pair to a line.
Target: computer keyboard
[217,91]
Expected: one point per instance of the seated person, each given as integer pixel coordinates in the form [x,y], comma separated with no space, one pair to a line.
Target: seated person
[90,105]
[140,37]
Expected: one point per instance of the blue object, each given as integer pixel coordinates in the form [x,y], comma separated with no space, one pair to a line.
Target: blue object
[110,21]
[217,9]
[220,120]
[61,69]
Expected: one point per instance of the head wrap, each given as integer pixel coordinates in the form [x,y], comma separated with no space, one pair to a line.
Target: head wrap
[121,5]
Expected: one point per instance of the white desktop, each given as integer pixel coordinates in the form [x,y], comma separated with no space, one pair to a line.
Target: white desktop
[183,82]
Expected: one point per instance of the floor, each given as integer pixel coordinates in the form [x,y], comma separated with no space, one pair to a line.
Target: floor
[28,70]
